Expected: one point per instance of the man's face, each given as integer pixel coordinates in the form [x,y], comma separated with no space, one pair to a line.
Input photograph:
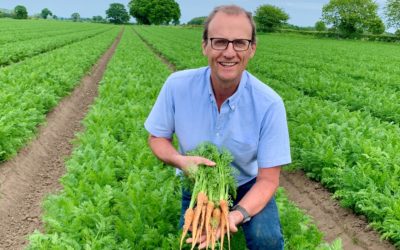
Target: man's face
[228,65]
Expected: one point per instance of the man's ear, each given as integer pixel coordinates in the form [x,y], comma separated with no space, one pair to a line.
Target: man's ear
[203,46]
[253,49]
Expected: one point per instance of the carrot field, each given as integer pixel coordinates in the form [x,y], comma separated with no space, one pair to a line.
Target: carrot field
[341,98]
[335,94]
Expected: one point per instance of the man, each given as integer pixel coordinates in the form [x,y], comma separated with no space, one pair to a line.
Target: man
[226,105]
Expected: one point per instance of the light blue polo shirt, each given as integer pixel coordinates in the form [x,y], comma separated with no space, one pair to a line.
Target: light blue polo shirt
[251,123]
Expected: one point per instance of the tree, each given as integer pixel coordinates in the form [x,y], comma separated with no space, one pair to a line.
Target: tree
[117,13]
[155,11]
[269,18]
[45,13]
[6,13]
[75,17]
[351,17]
[20,12]
[197,20]
[97,19]
[320,26]
[376,26]
[392,13]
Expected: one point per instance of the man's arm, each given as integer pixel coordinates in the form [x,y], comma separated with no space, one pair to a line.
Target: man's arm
[258,196]
[165,151]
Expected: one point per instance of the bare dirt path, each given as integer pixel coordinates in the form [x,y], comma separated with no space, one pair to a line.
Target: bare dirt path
[35,171]
[330,218]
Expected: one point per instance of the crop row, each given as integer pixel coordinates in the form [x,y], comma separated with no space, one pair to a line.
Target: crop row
[27,26]
[31,88]
[360,75]
[371,87]
[17,51]
[352,153]
[46,29]
[116,194]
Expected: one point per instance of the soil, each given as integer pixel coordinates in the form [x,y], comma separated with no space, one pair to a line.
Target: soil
[35,171]
[162,58]
[332,219]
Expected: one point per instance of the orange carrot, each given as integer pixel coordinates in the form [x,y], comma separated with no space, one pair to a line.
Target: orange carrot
[223,224]
[201,197]
[202,221]
[225,212]
[210,208]
[188,221]
[216,218]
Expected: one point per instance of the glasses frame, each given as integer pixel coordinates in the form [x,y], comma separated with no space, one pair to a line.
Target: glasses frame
[230,41]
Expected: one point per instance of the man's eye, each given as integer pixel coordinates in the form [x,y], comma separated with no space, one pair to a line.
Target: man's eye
[220,42]
[240,43]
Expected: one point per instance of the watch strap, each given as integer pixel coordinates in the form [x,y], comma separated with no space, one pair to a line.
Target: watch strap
[243,211]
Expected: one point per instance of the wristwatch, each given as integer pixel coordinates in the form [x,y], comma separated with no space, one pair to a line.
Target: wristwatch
[246,216]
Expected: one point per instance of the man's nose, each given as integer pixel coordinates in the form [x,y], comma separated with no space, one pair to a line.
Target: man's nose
[229,51]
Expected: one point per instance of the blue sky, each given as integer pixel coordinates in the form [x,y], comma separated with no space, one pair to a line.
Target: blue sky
[301,12]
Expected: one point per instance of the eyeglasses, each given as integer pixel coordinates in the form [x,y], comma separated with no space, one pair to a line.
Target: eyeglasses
[222,44]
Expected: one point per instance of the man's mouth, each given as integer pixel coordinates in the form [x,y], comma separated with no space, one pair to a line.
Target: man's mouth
[227,64]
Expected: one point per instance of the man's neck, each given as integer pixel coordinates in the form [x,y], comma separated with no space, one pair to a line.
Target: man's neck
[223,90]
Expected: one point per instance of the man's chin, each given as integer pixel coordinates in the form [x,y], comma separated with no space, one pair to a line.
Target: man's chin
[228,78]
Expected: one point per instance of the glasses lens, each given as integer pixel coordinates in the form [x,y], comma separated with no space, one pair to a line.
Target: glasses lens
[241,44]
[219,43]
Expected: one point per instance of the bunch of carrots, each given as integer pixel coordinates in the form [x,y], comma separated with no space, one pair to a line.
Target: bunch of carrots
[212,188]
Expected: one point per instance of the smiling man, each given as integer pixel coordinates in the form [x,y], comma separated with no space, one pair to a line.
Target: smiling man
[226,105]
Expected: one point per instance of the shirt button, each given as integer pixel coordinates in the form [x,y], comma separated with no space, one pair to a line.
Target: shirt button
[233,107]
[217,134]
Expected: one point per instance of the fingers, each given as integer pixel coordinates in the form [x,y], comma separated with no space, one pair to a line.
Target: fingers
[233,228]
[188,162]
[200,240]
[198,160]
[234,220]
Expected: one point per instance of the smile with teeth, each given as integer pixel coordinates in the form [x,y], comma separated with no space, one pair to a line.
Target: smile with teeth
[227,64]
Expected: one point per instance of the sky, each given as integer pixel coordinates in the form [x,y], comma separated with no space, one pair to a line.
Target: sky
[301,12]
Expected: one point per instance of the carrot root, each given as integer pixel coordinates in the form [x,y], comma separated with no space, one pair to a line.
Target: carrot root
[188,221]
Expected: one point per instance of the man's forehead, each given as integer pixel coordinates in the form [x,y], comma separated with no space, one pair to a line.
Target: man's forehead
[223,22]
[221,16]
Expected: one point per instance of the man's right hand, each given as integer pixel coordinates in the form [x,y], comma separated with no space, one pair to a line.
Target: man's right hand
[184,162]
[165,151]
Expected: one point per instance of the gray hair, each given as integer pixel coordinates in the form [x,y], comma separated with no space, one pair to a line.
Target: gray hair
[230,10]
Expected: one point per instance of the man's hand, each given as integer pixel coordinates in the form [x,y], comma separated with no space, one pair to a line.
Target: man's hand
[185,162]
[165,151]
[235,218]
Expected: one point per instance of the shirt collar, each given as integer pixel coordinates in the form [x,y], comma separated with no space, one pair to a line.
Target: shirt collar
[233,100]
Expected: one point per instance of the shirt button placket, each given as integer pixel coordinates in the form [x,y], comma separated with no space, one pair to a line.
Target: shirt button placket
[218,127]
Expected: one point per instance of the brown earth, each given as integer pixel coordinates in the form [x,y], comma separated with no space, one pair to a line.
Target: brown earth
[329,216]
[35,171]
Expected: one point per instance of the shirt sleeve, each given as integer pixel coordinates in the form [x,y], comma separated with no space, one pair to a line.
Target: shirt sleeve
[160,122]
[274,146]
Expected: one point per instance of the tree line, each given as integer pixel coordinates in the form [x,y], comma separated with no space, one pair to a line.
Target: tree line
[144,11]
[345,17]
